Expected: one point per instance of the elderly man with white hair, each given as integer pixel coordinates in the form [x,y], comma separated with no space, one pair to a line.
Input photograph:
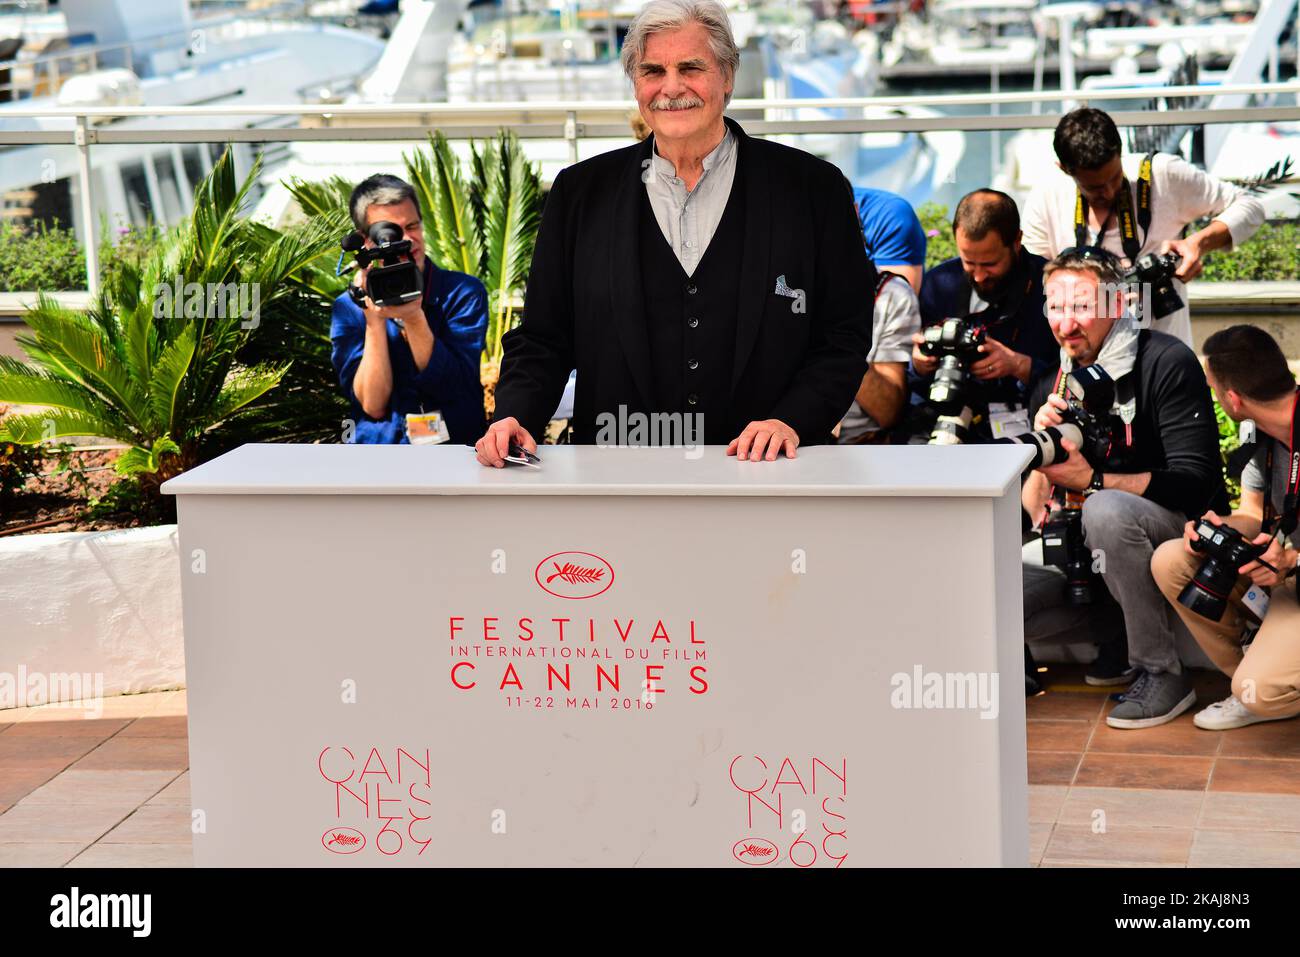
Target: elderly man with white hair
[703,274]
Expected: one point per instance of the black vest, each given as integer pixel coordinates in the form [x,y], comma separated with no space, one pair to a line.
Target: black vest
[691,320]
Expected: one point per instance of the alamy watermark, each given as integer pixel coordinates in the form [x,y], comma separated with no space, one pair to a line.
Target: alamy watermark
[220,300]
[678,430]
[946,691]
[58,689]
[1087,301]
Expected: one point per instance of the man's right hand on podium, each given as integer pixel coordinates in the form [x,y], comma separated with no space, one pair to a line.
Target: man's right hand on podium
[494,446]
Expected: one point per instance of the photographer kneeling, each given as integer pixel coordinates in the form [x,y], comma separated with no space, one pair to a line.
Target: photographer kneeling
[1215,579]
[407,336]
[1152,462]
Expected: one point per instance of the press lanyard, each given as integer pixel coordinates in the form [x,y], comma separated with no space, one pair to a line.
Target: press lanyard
[1291,503]
[1128,223]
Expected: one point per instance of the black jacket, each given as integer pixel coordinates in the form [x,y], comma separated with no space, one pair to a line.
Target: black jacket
[945,294]
[1175,433]
[585,307]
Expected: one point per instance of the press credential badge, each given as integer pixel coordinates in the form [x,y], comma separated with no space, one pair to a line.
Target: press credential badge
[426,428]
[1256,601]
[1004,421]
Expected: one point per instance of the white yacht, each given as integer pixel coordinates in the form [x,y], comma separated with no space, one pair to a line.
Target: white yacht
[559,59]
[156,53]
[967,33]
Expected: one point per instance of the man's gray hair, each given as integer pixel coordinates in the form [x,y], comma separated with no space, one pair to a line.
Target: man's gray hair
[660,15]
[382,189]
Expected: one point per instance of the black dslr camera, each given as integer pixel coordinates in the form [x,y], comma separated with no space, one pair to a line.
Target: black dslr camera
[394,279]
[1225,550]
[1157,273]
[956,342]
[1089,395]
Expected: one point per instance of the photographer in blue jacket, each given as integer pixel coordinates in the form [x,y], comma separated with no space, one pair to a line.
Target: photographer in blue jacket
[411,370]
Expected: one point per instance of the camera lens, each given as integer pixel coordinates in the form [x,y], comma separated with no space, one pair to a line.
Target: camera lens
[383,232]
[1197,599]
[1047,443]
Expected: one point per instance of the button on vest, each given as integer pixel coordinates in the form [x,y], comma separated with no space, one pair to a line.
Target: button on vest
[691,320]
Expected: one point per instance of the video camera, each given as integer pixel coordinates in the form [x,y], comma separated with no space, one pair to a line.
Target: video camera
[394,279]
[956,342]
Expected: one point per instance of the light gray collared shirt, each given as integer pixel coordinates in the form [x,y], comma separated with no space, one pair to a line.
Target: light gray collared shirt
[689,219]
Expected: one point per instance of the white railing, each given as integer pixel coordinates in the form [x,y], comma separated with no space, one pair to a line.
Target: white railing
[574,121]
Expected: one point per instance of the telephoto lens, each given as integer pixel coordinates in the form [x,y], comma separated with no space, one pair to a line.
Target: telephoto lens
[1225,550]
[956,342]
[1047,443]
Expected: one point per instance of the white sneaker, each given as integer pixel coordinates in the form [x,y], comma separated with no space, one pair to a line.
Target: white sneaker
[1228,714]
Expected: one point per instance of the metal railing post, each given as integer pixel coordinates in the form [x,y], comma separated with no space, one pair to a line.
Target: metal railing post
[571,135]
[83,137]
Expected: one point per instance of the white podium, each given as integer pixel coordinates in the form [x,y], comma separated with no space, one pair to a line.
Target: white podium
[630,657]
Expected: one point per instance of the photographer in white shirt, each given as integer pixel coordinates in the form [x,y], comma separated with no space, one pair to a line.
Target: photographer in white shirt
[1101,198]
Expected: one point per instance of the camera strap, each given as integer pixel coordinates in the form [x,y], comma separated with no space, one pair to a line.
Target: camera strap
[883,276]
[1291,502]
[1019,281]
[1129,222]
[1125,407]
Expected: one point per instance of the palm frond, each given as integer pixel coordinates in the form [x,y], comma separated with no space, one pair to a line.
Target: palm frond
[142,458]
[34,427]
[1277,174]
[69,345]
[512,210]
[23,384]
[242,387]
[168,376]
[327,200]
[440,187]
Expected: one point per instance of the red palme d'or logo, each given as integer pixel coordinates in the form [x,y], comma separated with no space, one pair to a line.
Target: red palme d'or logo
[574,575]
[755,851]
[343,840]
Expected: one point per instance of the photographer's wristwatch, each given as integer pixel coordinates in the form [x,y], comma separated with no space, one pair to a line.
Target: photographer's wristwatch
[1098,481]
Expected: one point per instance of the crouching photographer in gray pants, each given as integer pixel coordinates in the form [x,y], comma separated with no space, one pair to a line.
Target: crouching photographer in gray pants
[1128,440]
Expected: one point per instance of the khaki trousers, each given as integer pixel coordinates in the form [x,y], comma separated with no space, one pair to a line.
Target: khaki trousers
[1267,679]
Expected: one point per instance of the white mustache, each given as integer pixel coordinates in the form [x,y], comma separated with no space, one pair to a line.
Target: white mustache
[679,103]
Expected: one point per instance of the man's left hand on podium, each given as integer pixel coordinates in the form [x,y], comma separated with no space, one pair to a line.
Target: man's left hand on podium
[769,436]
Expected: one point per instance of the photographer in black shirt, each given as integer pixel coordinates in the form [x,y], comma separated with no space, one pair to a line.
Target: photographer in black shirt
[1160,467]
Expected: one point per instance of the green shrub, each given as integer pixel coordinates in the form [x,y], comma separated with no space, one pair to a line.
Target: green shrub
[163,378]
[1228,432]
[939,244]
[45,258]
[1273,253]
[129,247]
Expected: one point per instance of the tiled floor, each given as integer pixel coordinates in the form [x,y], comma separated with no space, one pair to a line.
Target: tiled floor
[111,791]
[114,791]
[1170,796]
